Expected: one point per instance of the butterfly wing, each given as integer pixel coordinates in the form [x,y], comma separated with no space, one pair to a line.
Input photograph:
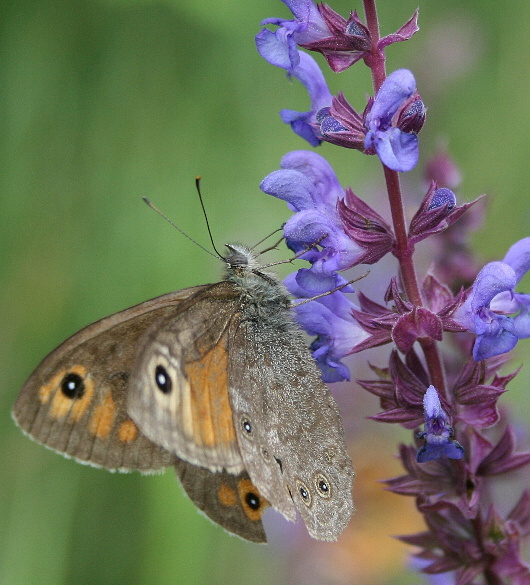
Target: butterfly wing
[179,388]
[230,500]
[75,400]
[289,420]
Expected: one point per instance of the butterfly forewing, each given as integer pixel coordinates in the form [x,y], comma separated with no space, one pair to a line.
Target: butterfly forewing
[75,400]
[179,390]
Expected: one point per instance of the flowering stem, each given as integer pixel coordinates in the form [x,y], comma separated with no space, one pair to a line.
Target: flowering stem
[403,251]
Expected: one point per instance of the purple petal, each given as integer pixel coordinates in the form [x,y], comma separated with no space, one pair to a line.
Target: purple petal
[311,77]
[301,125]
[307,283]
[291,186]
[430,451]
[396,88]
[431,404]
[487,346]
[518,257]
[277,48]
[522,321]
[304,123]
[309,226]
[442,197]
[493,279]
[331,319]
[396,149]
[316,168]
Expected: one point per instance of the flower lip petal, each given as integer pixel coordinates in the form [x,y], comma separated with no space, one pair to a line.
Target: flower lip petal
[327,189]
[396,149]
[487,346]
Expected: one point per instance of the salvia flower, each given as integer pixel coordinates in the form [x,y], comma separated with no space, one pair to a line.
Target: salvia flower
[397,148]
[275,49]
[331,319]
[309,185]
[438,433]
[341,41]
[348,41]
[341,124]
[497,314]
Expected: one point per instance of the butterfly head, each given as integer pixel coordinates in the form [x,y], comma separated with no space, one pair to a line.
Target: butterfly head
[259,287]
[241,258]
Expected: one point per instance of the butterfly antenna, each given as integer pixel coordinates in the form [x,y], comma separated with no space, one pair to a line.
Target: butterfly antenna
[198,187]
[297,255]
[148,202]
[274,247]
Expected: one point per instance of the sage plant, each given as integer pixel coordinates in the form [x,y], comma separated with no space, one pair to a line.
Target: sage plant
[450,465]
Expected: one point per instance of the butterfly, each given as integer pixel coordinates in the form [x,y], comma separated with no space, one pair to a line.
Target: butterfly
[215,381]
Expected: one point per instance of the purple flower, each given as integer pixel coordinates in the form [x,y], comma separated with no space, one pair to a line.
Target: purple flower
[397,149]
[493,299]
[319,28]
[341,124]
[309,185]
[442,197]
[276,49]
[280,47]
[438,433]
[331,319]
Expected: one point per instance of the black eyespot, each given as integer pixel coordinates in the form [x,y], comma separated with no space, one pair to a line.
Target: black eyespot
[162,379]
[246,425]
[304,492]
[252,500]
[73,386]
[323,486]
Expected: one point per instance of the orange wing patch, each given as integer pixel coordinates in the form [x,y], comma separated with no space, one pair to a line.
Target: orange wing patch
[102,419]
[48,389]
[211,411]
[127,431]
[227,496]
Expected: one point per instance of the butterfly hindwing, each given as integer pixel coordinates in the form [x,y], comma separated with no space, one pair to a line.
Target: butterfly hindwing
[296,422]
[231,500]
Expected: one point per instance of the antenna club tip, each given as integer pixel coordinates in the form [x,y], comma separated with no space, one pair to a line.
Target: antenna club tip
[146,200]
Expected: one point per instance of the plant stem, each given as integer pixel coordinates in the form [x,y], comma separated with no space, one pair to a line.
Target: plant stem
[377,58]
[403,251]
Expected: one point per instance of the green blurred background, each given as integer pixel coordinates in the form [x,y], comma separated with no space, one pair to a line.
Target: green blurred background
[103,102]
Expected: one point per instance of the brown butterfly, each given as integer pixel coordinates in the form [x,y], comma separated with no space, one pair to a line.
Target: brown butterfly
[214,380]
